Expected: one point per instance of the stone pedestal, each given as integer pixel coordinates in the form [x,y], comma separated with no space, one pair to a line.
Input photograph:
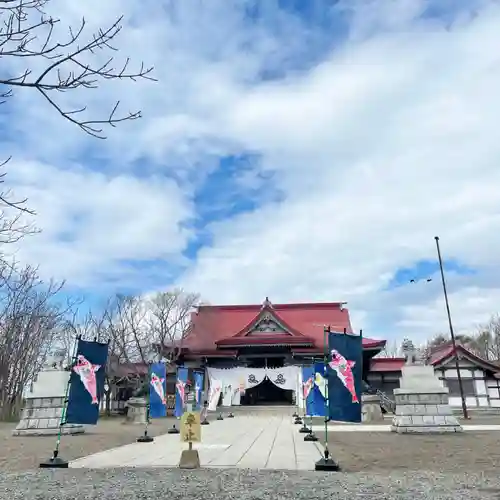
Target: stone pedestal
[44,406]
[370,408]
[137,411]
[422,403]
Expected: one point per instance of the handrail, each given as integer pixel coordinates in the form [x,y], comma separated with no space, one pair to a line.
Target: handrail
[386,403]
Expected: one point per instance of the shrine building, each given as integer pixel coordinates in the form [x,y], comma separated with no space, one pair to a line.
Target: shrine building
[266,336]
[268,343]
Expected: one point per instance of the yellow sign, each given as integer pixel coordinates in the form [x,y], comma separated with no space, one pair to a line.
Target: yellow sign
[191,427]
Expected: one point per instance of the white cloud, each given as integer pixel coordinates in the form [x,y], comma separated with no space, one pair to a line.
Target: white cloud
[388,141]
[93,224]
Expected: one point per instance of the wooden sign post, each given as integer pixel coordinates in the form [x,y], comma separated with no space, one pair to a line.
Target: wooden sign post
[190,433]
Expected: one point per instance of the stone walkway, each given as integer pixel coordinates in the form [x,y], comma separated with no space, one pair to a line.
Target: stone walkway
[243,442]
[247,442]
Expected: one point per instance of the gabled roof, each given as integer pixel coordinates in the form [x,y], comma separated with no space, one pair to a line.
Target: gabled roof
[212,326]
[268,312]
[439,356]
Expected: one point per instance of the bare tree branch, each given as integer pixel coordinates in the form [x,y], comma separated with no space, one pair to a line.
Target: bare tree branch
[22,36]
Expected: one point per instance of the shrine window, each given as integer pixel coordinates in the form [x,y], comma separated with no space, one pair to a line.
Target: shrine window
[454,387]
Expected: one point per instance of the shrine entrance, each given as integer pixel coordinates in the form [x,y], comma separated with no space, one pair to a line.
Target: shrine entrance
[267,393]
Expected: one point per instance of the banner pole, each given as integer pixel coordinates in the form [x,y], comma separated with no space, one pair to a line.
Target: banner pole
[297,381]
[310,436]
[174,429]
[297,419]
[326,331]
[326,463]
[56,461]
[146,438]
[304,429]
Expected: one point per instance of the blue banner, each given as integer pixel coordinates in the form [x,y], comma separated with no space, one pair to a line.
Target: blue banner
[158,390]
[180,391]
[319,392]
[86,383]
[345,365]
[199,378]
[308,385]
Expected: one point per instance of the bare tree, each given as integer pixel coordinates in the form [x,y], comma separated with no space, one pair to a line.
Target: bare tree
[391,350]
[127,324]
[77,62]
[169,317]
[30,318]
[141,326]
[487,339]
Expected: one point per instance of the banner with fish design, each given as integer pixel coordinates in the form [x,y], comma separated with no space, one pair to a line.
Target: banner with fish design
[319,391]
[86,383]
[307,387]
[345,367]
[180,391]
[199,378]
[158,390]
[214,394]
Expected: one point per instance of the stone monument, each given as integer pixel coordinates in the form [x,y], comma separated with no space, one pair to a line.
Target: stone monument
[137,412]
[137,405]
[45,402]
[421,400]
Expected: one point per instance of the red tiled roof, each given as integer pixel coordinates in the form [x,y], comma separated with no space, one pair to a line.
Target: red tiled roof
[213,325]
[386,364]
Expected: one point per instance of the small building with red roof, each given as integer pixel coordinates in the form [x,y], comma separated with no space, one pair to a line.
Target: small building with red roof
[480,377]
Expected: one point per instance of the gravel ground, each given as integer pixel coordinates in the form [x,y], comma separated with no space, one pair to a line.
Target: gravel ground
[22,453]
[378,465]
[171,484]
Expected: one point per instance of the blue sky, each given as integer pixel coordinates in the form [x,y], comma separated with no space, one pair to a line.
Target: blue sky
[304,151]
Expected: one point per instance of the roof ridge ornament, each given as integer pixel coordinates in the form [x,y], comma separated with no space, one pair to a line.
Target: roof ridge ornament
[267,304]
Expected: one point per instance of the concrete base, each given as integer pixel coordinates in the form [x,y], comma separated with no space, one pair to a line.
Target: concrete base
[65,431]
[422,404]
[41,417]
[190,459]
[370,409]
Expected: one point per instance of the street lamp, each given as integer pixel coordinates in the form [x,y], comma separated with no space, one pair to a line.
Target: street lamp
[452,333]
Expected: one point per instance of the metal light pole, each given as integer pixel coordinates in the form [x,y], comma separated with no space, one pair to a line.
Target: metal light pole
[452,333]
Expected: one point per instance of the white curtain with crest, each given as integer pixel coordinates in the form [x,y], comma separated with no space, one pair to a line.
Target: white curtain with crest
[284,378]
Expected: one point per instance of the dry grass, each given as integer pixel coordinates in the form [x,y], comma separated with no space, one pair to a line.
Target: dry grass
[22,453]
[386,451]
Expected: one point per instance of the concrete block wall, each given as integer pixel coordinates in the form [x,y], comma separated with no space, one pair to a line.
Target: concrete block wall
[42,416]
[423,413]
